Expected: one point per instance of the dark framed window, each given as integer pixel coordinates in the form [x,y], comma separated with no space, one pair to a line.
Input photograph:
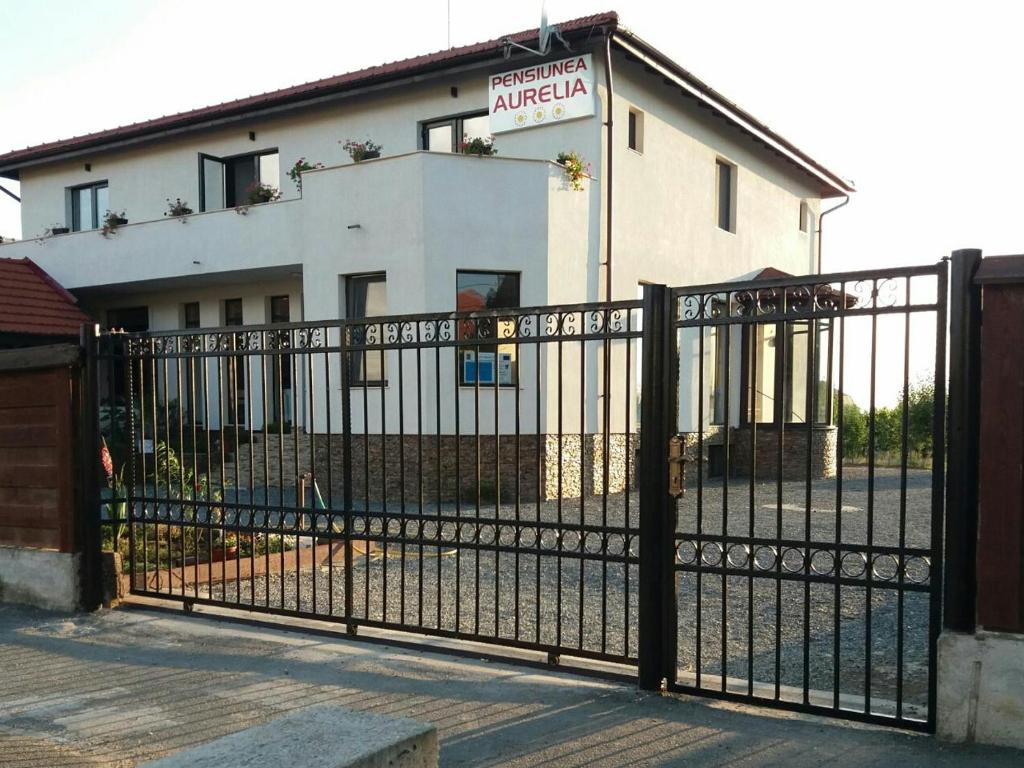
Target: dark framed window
[224,182]
[636,130]
[232,373]
[447,134]
[190,314]
[281,393]
[726,195]
[133,320]
[721,362]
[89,205]
[192,385]
[366,296]
[487,363]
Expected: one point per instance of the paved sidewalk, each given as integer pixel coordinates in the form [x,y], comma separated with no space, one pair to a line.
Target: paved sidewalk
[118,687]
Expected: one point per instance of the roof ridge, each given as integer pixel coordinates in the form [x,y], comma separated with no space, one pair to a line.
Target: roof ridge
[387,68]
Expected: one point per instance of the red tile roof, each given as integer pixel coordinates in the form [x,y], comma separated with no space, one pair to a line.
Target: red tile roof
[33,302]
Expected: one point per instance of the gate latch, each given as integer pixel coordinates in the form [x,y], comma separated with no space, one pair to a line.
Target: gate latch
[676,467]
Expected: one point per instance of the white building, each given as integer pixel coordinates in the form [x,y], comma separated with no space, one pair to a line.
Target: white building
[684,188]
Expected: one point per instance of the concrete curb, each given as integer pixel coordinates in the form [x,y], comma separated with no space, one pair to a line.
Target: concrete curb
[318,737]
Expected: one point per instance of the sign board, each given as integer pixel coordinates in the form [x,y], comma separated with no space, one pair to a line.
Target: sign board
[485,368]
[542,94]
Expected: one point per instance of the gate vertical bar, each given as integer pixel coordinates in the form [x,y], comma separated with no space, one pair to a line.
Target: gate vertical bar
[346,467]
[89,524]
[960,584]
[657,625]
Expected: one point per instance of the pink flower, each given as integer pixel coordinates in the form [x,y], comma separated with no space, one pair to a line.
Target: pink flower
[107,461]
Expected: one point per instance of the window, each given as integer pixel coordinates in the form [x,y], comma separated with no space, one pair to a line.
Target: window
[191,384]
[224,182]
[281,403]
[726,196]
[487,363]
[133,320]
[718,396]
[233,376]
[447,135]
[232,312]
[366,296]
[636,130]
[190,314]
[89,206]
[805,216]
[763,372]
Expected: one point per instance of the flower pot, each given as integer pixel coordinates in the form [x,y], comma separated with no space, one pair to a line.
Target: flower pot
[59,231]
[372,155]
[119,221]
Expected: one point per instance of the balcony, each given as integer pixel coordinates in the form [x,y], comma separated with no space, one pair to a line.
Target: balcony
[404,211]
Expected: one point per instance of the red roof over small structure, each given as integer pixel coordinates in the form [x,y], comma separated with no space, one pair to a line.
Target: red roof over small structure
[32,302]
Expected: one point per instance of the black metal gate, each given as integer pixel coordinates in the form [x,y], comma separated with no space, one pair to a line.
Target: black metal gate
[483,475]
[461,475]
[807,555]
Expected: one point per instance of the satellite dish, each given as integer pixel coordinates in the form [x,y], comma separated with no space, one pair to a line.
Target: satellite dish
[545,33]
[544,39]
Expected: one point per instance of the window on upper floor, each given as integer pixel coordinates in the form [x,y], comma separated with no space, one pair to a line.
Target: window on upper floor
[487,364]
[725,195]
[636,130]
[805,216]
[447,134]
[89,205]
[226,182]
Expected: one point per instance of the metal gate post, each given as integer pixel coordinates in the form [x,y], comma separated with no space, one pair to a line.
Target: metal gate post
[657,625]
[964,412]
[89,526]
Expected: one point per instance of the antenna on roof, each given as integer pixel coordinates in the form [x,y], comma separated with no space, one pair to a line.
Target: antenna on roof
[545,33]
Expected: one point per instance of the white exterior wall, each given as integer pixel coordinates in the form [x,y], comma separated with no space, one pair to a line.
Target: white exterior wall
[665,214]
[422,216]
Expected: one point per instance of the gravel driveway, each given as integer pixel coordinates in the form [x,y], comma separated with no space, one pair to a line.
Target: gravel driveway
[573,602]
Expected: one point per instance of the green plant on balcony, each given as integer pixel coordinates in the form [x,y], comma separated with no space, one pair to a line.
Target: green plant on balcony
[361,150]
[576,168]
[257,193]
[111,221]
[177,208]
[300,167]
[480,146]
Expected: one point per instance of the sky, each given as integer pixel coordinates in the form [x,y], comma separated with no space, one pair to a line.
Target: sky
[919,103]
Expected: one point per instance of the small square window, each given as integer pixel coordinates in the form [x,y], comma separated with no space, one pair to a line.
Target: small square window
[636,130]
